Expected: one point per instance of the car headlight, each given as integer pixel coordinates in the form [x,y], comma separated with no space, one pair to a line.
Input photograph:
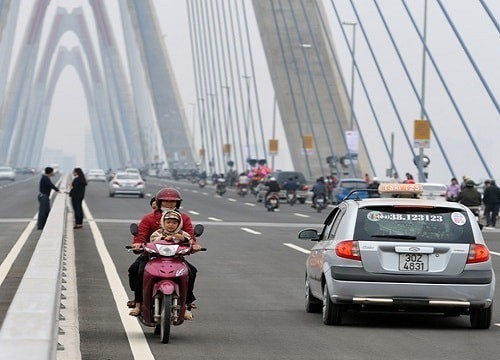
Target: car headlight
[167,250]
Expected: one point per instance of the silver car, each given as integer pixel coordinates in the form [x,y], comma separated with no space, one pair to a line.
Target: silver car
[402,254]
[126,183]
[7,173]
[96,175]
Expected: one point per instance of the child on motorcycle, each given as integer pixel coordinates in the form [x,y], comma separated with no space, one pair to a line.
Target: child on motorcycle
[167,199]
[171,231]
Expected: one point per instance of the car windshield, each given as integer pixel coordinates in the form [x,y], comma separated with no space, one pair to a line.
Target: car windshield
[392,223]
[130,176]
[351,185]
[283,176]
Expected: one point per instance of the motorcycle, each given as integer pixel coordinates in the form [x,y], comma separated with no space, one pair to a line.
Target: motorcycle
[220,187]
[291,197]
[165,284]
[272,201]
[242,190]
[320,203]
[202,183]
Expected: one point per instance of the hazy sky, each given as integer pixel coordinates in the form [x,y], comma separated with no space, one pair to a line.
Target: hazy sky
[69,117]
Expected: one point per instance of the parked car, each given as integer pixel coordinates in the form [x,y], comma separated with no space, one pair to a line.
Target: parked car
[7,173]
[433,191]
[126,183]
[96,175]
[347,185]
[282,177]
[399,254]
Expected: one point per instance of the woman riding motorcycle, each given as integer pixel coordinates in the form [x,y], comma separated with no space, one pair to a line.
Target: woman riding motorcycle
[167,199]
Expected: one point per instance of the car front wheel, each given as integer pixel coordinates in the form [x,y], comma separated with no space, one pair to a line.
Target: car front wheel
[480,318]
[332,313]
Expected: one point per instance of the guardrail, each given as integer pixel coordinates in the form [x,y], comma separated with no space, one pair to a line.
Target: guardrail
[31,325]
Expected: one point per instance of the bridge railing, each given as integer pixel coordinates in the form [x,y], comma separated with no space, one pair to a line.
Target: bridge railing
[30,328]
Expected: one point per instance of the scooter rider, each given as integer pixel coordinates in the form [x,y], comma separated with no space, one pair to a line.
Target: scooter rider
[319,189]
[272,187]
[167,199]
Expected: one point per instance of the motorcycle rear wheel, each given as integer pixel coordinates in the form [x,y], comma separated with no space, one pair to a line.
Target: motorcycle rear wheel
[166,311]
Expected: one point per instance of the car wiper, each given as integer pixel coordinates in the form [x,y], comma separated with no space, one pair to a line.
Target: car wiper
[409,237]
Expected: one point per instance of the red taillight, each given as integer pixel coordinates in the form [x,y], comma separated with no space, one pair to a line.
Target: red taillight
[116,183]
[305,187]
[139,183]
[478,253]
[348,249]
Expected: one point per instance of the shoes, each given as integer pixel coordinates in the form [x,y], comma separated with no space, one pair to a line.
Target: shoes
[188,315]
[192,306]
[131,304]
[77,226]
[135,312]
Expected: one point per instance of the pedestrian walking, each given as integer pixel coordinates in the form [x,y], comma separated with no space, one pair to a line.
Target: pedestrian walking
[491,200]
[45,187]
[77,193]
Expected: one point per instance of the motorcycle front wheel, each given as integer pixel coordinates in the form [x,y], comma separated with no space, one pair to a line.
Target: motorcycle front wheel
[166,311]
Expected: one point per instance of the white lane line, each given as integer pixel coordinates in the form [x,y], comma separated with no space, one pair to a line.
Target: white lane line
[16,249]
[137,340]
[195,191]
[497,324]
[298,248]
[214,219]
[193,212]
[205,193]
[494,253]
[233,200]
[249,204]
[301,215]
[251,231]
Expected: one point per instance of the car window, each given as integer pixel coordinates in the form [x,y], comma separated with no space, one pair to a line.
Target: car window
[283,176]
[392,223]
[336,222]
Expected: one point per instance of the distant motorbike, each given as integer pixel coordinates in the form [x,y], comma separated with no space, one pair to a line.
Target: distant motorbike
[165,292]
[242,190]
[319,203]
[202,183]
[272,201]
[291,197]
[221,187]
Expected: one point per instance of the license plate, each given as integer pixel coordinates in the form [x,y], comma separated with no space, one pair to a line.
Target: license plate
[413,262]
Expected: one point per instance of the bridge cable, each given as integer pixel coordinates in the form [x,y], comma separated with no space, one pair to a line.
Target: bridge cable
[447,91]
[384,82]
[233,87]
[466,50]
[487,9]
[443,152]
[287,70]
[254,78]
[196,71]
[292,46]
[312,84]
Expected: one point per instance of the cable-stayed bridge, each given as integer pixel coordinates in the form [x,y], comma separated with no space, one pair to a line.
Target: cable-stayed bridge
[310,87]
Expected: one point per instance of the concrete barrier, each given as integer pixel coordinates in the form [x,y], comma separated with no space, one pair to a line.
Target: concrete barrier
[30,328]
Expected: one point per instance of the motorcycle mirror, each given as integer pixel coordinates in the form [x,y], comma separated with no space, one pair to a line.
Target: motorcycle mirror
[134,229]
[198,229]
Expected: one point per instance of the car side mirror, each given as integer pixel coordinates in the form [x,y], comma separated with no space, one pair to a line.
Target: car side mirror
[198,229]
[134,229]
[309,234]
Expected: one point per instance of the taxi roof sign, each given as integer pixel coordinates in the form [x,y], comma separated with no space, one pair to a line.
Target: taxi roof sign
[396,188]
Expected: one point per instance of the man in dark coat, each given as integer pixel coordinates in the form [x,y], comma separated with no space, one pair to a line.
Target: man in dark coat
[43,197]
[491,200]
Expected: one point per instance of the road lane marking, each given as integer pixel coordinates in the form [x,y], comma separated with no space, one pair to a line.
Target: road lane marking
[494,253]
[249,204]
[193,212]
[301,215]
[136,338]
[214,219]
[16,249]
[251,231]
[233,200]
[298,248]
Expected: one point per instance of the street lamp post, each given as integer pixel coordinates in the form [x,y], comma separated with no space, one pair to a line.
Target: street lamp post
[306,47]
[353,24]
[247,121]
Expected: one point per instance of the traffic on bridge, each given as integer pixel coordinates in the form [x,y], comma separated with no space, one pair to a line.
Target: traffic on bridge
[249,180]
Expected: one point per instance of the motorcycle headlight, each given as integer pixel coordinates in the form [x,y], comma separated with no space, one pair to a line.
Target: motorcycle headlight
[167,250]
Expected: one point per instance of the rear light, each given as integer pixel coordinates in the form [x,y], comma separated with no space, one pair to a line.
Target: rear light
[478,253]
[305,187]
[348,249]
[139,183]
[116,183]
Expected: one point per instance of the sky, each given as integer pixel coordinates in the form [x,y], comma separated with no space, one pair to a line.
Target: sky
[69,117]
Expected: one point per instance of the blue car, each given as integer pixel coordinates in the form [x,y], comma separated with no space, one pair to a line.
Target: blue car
[345,186]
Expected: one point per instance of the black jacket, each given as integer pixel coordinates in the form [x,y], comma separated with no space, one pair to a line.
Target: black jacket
[469,197]
[491,195]
[78,188]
